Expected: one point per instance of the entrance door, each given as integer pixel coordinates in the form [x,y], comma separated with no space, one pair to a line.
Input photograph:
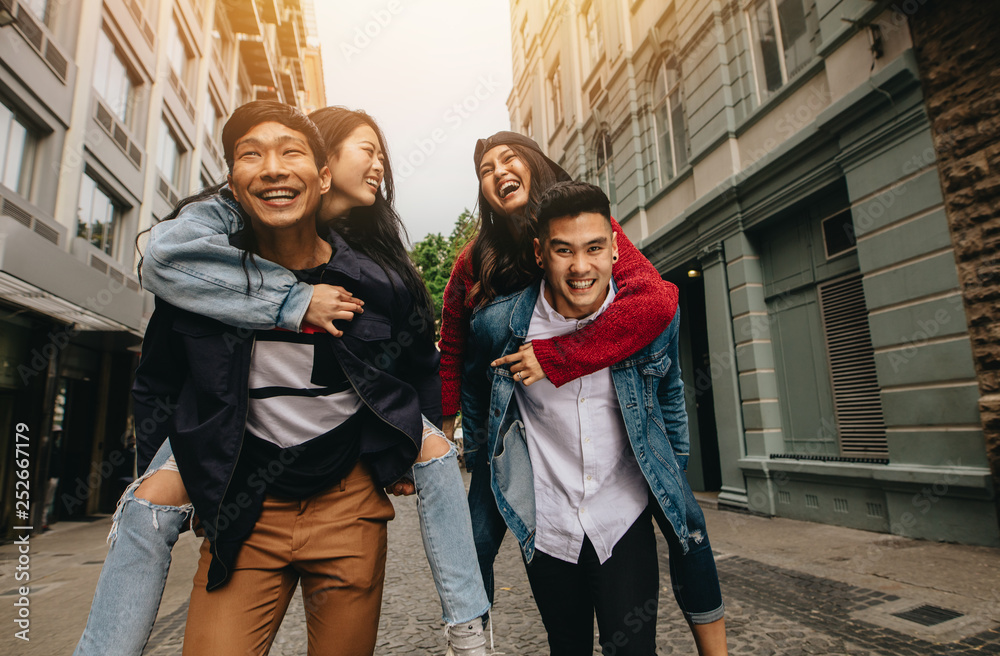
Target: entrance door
[72,446]
[704,472]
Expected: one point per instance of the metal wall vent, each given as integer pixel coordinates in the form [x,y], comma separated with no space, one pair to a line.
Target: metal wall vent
[839,505]
[784,497]
[812,501]
[856,393]
[117,131]
[16,212]
[47,232]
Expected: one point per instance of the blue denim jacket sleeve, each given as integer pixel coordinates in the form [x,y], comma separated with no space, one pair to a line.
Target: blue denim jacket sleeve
[190,263]
[671,397]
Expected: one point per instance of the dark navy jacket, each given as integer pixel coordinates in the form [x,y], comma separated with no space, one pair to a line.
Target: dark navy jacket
[192,386]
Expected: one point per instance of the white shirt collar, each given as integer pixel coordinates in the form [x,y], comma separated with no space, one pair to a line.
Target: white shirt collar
[549,313]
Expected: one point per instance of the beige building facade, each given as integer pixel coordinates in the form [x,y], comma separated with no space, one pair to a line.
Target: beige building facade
[110,112]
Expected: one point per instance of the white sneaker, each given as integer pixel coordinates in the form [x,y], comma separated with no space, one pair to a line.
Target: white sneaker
[466,639]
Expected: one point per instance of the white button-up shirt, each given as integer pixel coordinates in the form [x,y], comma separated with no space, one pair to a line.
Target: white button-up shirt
[586,478]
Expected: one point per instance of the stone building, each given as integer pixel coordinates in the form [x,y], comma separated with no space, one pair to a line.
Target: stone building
[110,111]
[776,160]
[959,62]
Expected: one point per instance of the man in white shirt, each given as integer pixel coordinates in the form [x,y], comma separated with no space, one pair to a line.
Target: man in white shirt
[577,471]
[594,538]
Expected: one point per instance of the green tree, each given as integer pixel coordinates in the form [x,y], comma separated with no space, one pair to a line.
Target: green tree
[435,254]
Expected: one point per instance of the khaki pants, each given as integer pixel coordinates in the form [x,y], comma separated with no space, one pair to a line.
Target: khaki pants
[335,542]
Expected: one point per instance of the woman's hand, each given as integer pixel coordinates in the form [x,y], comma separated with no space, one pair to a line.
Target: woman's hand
[404,487]
[329,303]
[523,365]
[448,426]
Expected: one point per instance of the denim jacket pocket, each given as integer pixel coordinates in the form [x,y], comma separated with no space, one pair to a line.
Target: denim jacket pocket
[657,367]
[515,480]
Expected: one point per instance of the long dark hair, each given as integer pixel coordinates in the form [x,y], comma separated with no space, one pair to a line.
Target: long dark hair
[374,230]
[503,259]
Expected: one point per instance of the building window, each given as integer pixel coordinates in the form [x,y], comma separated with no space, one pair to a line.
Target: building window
[593,41]
[211,120]
[605,169]
[18,143]
[170,156]
[553,92]
[521,45]
[838,234]
[98,216]
[785,34]
[178,55]
[222,48]
[668,113]
[112,80]
[39,8]
[526,128]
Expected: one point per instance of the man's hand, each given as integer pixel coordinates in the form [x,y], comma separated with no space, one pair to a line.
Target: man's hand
[523,365]
[330,302]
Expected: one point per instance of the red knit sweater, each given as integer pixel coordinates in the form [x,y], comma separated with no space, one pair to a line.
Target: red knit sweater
[643,307]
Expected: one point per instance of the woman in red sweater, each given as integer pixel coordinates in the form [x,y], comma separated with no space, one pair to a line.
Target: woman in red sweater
[513,173]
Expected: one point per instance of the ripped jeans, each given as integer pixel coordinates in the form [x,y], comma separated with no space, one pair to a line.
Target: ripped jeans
[135,570]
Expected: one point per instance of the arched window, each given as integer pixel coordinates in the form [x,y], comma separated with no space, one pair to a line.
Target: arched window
[605,169]
[668,113]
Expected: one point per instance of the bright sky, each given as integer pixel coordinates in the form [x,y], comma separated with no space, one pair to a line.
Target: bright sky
[436,75]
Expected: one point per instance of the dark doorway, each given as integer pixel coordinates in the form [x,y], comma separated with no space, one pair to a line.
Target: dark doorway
[72,446]
[704,470]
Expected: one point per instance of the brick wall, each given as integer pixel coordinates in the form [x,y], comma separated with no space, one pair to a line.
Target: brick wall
[959,57]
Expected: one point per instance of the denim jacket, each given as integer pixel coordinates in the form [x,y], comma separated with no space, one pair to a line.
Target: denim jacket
[197,245]
[650,392]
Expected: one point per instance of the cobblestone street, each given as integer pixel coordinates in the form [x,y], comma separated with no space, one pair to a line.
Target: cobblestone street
[770,610]
[791,588]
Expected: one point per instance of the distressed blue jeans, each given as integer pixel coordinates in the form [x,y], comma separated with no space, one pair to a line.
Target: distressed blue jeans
[135,570]
[446,528]
[134,573]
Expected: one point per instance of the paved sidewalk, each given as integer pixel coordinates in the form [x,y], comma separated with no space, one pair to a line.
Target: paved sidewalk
[791,588]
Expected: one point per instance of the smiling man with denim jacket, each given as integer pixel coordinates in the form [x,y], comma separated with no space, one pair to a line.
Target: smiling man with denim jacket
[575,472]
